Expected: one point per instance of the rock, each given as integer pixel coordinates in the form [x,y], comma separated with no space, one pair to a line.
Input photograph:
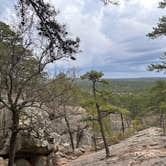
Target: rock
[146,148]
[3,162]
[79,128]
[82,150]
[78,152]
[34,140]
[44,136]
[65,148]
[1,158]
[40,161]
[52,159]
[22,162]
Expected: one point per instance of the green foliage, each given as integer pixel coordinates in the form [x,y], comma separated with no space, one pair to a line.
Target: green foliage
[159,67]
[18,66]
[103,97]
[6,32]
[136,124]
[114,109]
[163,4]
[159,31]
[163,105]
[93,76]
[157,104]
[122,86]
[61,90]
[158,93]
[42,16]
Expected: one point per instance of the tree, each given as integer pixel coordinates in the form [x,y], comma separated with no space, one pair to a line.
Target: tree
[21,71]
[62,98]
[67,86]
[95,77]
[88,103]
[113,2]
[158,96]
[159,31]
[44,16]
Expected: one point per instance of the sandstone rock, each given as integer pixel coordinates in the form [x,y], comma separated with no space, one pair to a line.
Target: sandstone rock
[36,139]
[40,161]
[22,162]
[78,152]
[75,116]
[3,162]
[146,148]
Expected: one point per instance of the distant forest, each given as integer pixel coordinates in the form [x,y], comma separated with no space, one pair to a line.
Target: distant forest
[124,85]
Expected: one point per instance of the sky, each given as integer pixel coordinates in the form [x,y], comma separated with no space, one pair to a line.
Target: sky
[113,38]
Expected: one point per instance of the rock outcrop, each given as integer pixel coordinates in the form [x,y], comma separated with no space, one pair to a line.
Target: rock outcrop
[42,136]
[35,139]
[79,128]
[146,148]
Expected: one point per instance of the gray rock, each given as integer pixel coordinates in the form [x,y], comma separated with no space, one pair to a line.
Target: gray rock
[3,162]
[40,161]
[22,162]
[35,140]
[146,148]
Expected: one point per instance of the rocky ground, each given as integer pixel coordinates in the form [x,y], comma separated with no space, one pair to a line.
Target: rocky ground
[146,148]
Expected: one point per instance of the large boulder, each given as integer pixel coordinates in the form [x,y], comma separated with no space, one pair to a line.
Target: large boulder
[146,148]
[80,129]
[38,138]
[40,161]
[22,162]
[3,162]
[44,136]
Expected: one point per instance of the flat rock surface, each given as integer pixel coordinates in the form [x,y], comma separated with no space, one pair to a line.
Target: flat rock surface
[146,148]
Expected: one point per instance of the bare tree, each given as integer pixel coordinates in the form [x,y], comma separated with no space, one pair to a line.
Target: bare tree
[95,77]
[62,100]
[22,63]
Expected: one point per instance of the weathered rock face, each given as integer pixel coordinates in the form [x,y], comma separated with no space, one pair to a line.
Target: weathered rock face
[43,136]
[79,128]
[39,138]
[146,148]
[3,162]
[5,123]
[116,122]
[22,162]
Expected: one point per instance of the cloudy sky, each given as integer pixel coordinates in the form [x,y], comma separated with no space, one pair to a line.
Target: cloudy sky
[113,38]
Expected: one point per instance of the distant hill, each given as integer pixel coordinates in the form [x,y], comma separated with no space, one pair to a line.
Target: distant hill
[124,85]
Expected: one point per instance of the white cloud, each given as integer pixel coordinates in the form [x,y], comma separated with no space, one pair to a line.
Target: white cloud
[105,31]
[146,4]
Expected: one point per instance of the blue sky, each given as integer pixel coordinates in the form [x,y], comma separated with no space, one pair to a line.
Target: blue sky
[113,39]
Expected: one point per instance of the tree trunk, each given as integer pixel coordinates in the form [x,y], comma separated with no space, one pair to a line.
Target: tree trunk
[94,142]
[80,134]
[164,129]
[161,118]
[100,122]
[94,137]
[69,131]
[94,134]
[14,132]
[122,121]
[102,132]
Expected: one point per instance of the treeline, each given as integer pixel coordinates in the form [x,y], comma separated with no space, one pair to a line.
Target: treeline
[125,85]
